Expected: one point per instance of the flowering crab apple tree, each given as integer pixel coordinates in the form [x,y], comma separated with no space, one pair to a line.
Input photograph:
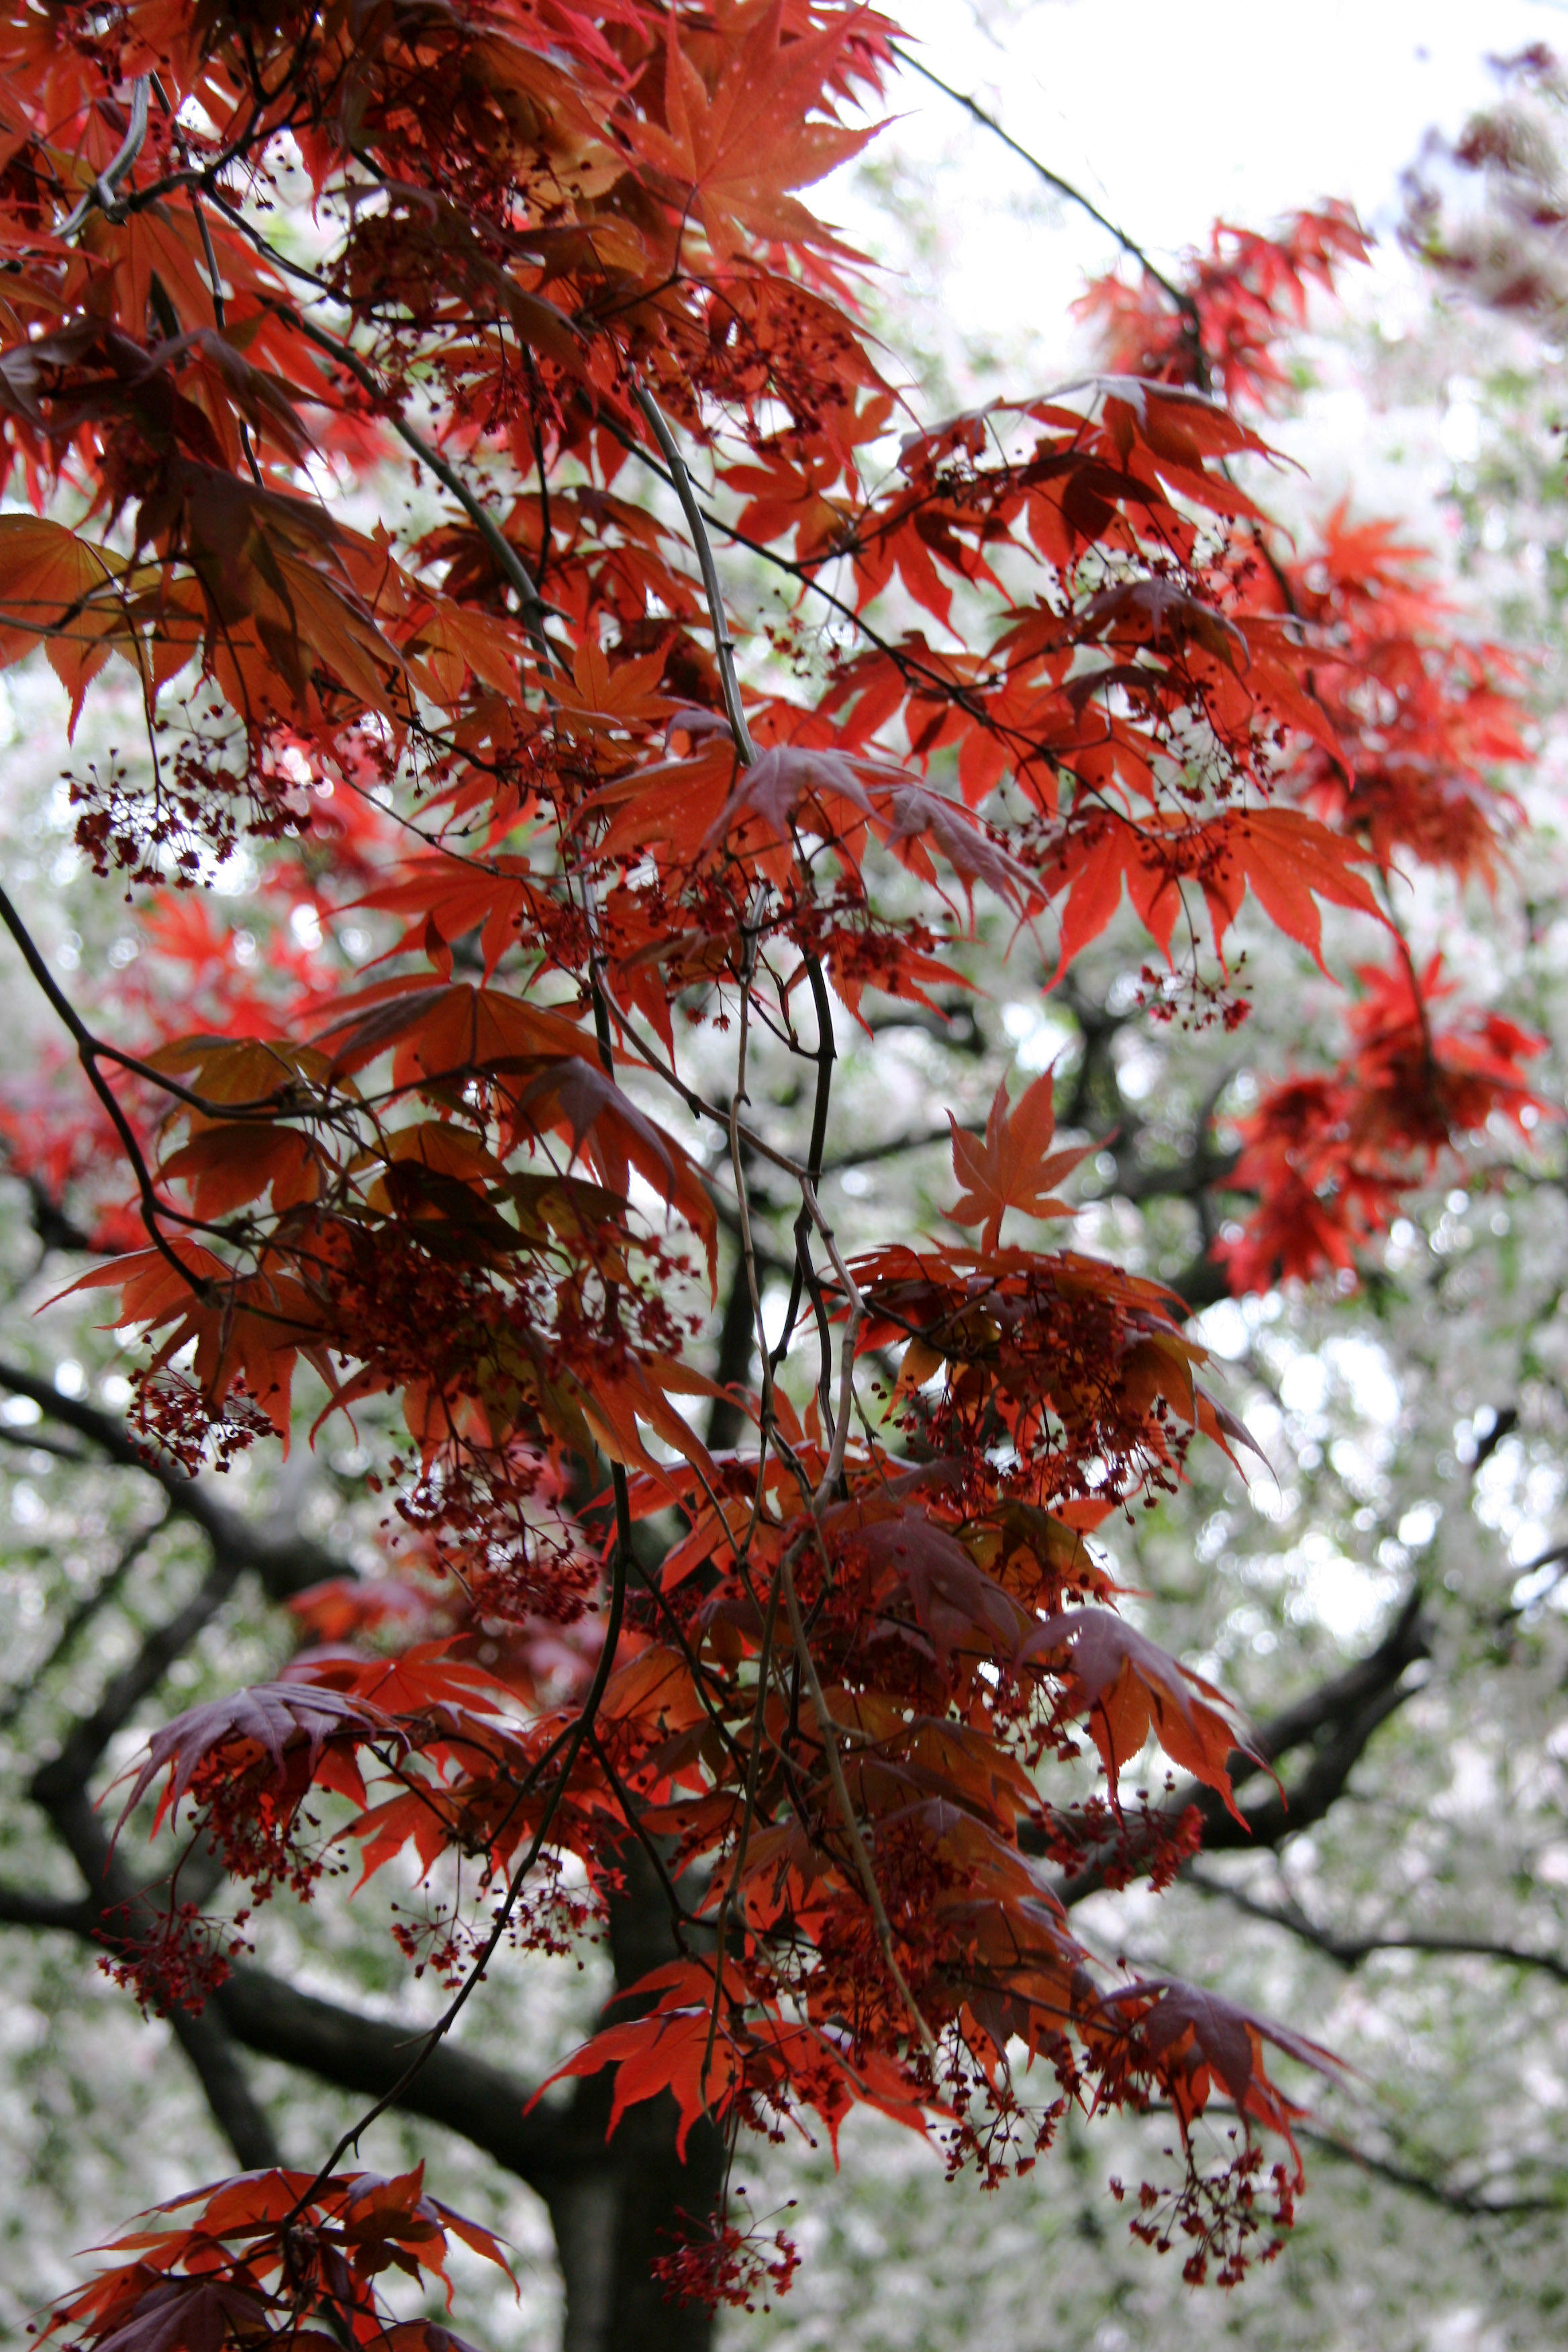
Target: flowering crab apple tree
[782,1653]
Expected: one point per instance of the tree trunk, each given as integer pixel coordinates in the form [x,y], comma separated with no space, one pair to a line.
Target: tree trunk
[613,2216]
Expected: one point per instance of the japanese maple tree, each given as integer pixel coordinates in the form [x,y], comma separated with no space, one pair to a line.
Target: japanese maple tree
[801,1624]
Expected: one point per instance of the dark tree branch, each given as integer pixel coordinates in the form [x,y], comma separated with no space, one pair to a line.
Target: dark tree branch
[825,1056]
[90,1052]
[73,1766]
[953,1024]
[286,1562]
[1350,1951]
[1467,2201]
[737,1346]
[78,1618]
[482,2103]
[365,2055]
[613,2203]
[531,605]
[1054,180]
[1337,1720]
[33,1441]
[120,1912]
[723,644]
[20,1908]
[1339,1700]
[894,1147]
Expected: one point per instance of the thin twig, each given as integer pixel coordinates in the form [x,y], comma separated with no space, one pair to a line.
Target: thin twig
[825,1056]
[88,1052]
[1129,245]
[840,1437]
[220,317]
[748,1806]
[841,1791]
[1349,1951]
[572,1741]
[534,608]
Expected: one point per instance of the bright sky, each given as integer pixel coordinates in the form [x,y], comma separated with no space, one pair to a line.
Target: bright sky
[1168,115]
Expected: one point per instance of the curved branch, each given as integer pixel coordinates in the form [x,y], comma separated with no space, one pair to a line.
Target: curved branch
[369,2056]
[286,1562]
[1337,1721]
[20,1908]
[1467,2201]
[141,1675]
[723,643]
[101,193]
[468,2094]
[533,606]
[972,107]
[234,2105]
[89,1051]
[1350,1951]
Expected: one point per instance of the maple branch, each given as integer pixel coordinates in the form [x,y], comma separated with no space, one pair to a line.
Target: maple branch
[20,1908]
[825,1056]
[748,1809]
[234,2104]
[1349,1951]
[743,1202]
[697,1104]
[534,608]
[101,196]
[220,319]
[834,1467]
[90,1051]
[286,1563]
[905,663]
[79,1617]
[483,2103]
[723,644]
[866,1875]
[1467,2201]
[1337,1720]
[1135,252]
[732,1360]
[895,1148]
[342,2047]
[33,1441]
[570,1741]
[136,1680]
[545,2147]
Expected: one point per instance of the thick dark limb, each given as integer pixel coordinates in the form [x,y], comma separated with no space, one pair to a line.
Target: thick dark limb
[614,2220]
[137,1680]
[76,1621]
[90,1052]
[737,1345]
[20,1908]
[481,2102]
[615,2204]
[825,1056]
[1336,1721]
